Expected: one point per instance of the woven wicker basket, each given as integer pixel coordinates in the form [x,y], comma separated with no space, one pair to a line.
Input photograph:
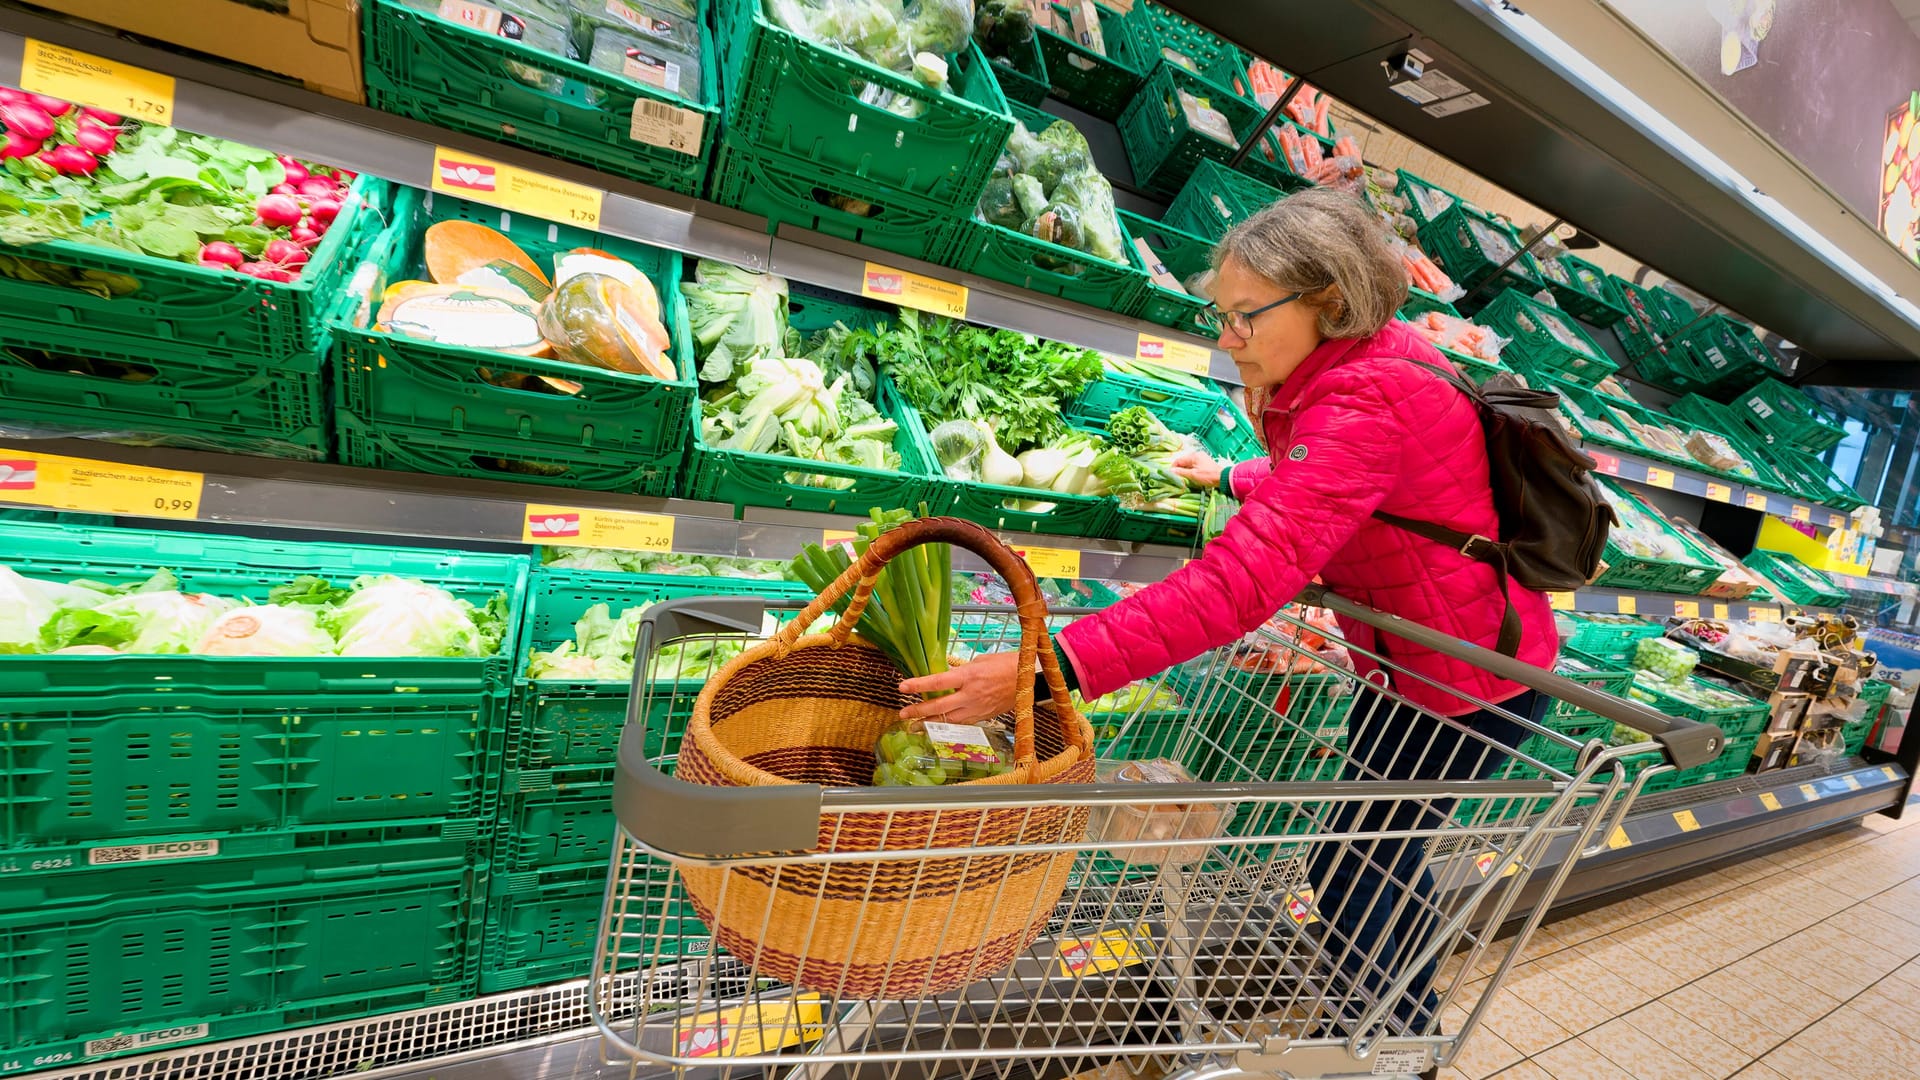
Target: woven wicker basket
[807,710]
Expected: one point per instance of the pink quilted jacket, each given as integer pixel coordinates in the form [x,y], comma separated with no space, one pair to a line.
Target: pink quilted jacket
[1356,428]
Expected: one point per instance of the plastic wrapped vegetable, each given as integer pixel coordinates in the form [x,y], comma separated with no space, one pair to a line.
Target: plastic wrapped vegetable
[1058,224]
[914,753]
[647,60]
[940,27]
[1001,25]
[647,18]
[1089,192]
[537,24]
[961,447]
[1135,823]
[736,315]
[998,204]
[596,320]
[1032,197]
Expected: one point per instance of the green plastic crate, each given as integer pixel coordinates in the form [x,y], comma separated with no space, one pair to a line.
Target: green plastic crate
[1686,576]
[1809,477]
[1710,415]
[1732,762]
[1230,430]
[1791,415]
[1215,199]
[741,478]
[1545,341]
[1143,527]
[1167,36]
[1608,639]
[1005,508]
[1421,302]
[1472,247]
[1798,582]
[1099,84]
[449,454]
[1013,257]
[1270,164]
[1426,201]
[250,567]
[1181,254]
[1183,408]
[154,396]
[405,394]
[117,975]
[435,70]
[541,926]
[1023,73]
[1590,410]
[1734,721]
[1726,352]
[769,187]
[1162,147]
[545,830]
[190,311]
[1652,315]
[1854,733]
[801,101]
[1586,293]
[1604,676]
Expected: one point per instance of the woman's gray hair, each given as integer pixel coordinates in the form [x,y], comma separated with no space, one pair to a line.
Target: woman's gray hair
[1330,248]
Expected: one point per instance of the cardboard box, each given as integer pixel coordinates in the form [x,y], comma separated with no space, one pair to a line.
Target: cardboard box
[315,42]
[1775,749]
[1156,267]
[1086,26]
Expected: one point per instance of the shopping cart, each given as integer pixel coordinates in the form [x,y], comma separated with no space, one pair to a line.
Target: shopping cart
[1197,935]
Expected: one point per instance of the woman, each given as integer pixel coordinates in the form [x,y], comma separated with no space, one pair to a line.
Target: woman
[1358,418]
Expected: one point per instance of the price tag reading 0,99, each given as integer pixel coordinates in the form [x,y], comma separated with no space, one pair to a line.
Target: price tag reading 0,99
[98,487]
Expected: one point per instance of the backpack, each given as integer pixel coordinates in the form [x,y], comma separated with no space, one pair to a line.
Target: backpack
[1553,517]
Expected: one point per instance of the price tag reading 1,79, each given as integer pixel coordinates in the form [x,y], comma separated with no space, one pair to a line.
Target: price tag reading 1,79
[576,527]
[1051,562]
[99,487]
[914,291]
[71,75]
[549,198]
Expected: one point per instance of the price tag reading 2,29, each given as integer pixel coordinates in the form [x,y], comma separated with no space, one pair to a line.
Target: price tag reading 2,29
[98,487]
[1051,562]
[549,198]
[913,291]
[576,527]
[72,75]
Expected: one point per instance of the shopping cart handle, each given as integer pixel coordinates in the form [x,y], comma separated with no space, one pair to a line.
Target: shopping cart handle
[1687,742]
[696,820]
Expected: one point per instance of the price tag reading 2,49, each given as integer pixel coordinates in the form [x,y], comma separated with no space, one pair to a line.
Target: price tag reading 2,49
[549,198]
[576,527]
[72,75]
[914,291]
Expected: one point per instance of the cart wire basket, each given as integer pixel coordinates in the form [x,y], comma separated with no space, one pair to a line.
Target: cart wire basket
[1290,912]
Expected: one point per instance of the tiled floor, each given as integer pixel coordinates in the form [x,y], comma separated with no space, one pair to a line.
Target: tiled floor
[1802,965]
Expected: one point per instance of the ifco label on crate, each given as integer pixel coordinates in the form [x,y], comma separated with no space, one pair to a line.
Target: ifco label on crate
[550,198]
[136,853]
[576,527]
[146,1040]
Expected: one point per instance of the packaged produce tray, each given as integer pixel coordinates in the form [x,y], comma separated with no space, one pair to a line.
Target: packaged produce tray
[1100,84]
[1798,582]
[1545,341]
[1472,247]
[1215,199]
[103,976]
[1608,639]
[441,72]
[1706,414]
[1179,253]
[250,567]
[1162,144]
[172,309]
[771,187]
[802,101]
[1270,162]
[409,402]
[742,478]
[239,404]
[1790,416]
[1678,567]
[1426,201]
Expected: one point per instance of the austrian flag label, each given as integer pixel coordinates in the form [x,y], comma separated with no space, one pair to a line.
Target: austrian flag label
[553,526]
[468,175]
[1152,350]
[18,475]
[882,283]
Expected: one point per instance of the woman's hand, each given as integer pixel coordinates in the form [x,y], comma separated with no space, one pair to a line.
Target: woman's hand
[983,688]
[1198,468]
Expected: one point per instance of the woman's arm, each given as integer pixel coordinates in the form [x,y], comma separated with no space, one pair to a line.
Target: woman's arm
[1291,523]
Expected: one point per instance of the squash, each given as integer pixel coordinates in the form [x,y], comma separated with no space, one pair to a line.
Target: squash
[463,316]
[456,247]
[593,261]
[596,320]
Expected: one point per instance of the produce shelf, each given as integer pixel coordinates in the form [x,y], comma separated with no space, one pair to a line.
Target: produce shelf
[1660,605]
[215,100]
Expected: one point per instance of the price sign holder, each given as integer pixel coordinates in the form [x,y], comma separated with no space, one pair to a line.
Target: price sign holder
[1051,562]
[522,191]
[580,527]
[86,79]
[98,487]
[915,291]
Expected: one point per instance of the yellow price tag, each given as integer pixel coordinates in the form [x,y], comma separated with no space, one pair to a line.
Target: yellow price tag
[1178,355]
[1852,782]
[1618,839]
[1756,500]
[1686,820]
[914,291]
[1051,562]
[1889,772]
[1769,800]
[1686,609]
[575,527]
[98,487]
[1719,492]
[1560,601]
[1628,605]
[1721,612]
[1803,513]
[1764,614]
[1658,477]
[72,75]
[522,191]
[1835,521]
[752,1029]
[1809,793]
[1110,951]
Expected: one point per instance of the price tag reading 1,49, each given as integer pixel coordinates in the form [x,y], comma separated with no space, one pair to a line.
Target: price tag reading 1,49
[98,487]
[576,527]
[71,75]
[549,198]
[914,291]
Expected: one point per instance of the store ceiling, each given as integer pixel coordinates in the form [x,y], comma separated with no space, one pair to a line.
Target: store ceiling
[1556,144]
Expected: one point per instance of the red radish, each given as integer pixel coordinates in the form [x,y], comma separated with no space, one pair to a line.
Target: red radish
[277,210]
[324,210]
[285,253]
[26,118]
[10,96]
[102,115]
[221,253]
[95,139]
[266,271]
[19,146]
[296,172]
[314,187]
[304,235]
[285,189]
[345,176]
[52,106]
[68,160]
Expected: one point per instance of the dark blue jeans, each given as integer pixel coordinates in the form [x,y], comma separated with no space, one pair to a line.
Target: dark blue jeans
[1376,894]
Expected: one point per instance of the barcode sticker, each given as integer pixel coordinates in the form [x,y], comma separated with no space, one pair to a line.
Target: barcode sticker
[137,853]
[1404,1062]
[657,123]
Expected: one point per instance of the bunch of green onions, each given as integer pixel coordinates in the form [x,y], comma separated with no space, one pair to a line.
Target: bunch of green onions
[910,614]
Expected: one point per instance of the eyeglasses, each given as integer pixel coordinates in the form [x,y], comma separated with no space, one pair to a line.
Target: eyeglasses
[1241,322]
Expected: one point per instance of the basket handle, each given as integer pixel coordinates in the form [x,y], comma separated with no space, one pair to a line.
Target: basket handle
[1028,604]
